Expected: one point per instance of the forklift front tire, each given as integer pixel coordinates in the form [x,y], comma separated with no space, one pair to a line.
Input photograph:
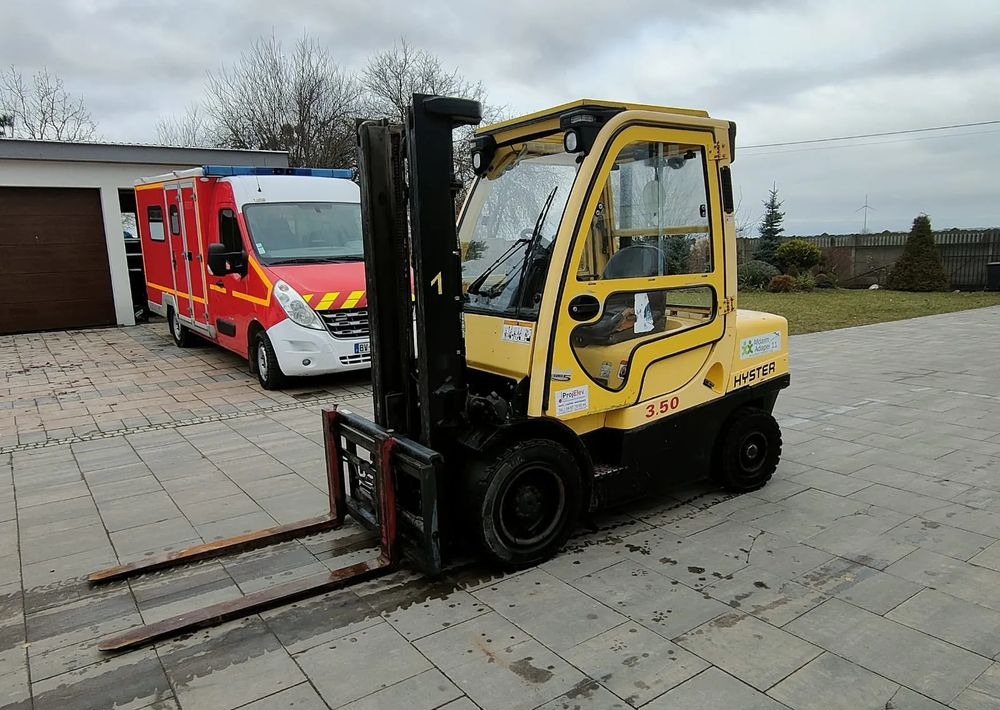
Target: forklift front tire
[528,498]
[183,338]
[748,450]
[268,370]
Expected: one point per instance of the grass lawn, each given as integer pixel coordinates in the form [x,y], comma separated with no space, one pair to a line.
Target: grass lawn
[827,309]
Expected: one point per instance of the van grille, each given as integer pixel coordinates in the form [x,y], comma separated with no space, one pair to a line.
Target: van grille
[351,323]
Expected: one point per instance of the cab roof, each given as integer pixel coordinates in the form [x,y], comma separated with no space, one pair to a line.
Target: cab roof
[552,114]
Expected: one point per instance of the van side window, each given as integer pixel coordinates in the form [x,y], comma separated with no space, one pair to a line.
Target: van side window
[154,218]
[229,231]
[175,220]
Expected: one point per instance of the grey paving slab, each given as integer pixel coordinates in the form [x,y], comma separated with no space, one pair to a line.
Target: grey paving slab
[862,538]
[657,602]
[898,500]
[517,677]
[767,596]
[945,490]
[961,579]
[634,663]
[831,683]
[378,646]
[836,483]
[132,682]
[929,665]
[586,695]
[300,697]
[990,557]
[425,691]
[955,620]
[419,618]
[940,538]
[732,642]
[318,620]
[714,690]
[860,585]
[480,636]
[552,611]
[228,666]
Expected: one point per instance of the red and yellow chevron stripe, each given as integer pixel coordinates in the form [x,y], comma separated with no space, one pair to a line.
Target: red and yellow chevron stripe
[335,301]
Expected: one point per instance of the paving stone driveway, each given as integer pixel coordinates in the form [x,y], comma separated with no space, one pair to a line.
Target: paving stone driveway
[866,575]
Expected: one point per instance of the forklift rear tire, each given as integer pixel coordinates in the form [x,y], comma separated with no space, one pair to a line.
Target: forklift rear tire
[268,370]
[748,450]
[183,337]
[528,498]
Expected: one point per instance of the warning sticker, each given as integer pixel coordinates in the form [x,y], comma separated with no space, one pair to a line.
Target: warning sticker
[760,345]
[516,332]
[574,399]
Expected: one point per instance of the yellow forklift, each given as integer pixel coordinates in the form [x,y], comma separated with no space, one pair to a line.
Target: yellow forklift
[570,340]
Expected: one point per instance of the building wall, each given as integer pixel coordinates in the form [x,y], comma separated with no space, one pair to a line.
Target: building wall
[108,178]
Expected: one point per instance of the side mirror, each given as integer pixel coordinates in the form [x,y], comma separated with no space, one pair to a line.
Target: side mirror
[222,262]
[218,260]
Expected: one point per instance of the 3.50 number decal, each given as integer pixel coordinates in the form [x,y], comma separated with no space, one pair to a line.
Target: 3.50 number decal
[662,407]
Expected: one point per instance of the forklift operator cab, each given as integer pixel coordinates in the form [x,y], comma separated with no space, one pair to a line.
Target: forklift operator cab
[597,348]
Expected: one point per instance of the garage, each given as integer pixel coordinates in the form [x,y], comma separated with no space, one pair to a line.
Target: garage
[54,270]
[65,211]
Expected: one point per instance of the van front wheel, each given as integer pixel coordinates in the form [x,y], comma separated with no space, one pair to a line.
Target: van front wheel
[268,370]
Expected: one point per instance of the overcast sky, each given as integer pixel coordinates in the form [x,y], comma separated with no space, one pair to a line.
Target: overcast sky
[783,71]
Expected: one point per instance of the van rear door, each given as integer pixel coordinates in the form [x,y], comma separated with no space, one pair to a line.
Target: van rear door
[187,254]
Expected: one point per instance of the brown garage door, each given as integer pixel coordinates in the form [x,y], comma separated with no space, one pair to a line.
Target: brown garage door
[53,260]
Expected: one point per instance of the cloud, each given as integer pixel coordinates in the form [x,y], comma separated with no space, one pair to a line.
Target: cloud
[782,70]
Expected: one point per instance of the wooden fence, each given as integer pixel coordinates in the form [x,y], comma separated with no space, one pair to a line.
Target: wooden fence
[860,260]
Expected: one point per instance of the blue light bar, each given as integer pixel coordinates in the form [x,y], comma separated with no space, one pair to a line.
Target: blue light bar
[230,170]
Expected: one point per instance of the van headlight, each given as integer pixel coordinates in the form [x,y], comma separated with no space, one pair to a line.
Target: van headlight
[295,306]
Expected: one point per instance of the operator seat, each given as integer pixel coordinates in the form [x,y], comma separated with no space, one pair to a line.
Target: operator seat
[636,261]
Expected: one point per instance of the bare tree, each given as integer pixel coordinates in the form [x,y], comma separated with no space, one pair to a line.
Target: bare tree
[300,101]
[42,108]
[392,76]
[193,128]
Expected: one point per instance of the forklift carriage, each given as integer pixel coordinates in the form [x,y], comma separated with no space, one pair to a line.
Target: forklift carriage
[570,341]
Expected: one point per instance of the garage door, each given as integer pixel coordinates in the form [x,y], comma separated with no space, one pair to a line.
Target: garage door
[53,260]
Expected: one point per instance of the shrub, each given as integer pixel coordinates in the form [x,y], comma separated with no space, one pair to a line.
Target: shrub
[797,255]
[782,283]
[826,280]
[920,267]
[804,282]
[755,274]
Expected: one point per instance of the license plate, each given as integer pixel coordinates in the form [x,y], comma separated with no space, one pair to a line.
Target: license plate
[362,348]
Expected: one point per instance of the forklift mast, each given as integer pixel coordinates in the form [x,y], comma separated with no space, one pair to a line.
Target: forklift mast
[419,391]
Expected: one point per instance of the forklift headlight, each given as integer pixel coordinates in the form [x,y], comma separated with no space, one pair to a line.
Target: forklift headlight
[477,161]
[295,306]
[571,142]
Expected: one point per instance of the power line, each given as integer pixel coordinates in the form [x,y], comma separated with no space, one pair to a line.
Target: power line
[868,143]
[872,135]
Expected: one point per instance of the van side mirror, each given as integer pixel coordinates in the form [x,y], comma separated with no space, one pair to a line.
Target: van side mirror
[222,262]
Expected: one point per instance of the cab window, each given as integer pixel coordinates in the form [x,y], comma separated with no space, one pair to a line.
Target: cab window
[229,231]
[652,218]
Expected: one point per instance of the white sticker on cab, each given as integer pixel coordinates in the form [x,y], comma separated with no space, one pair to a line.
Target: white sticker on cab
[514,332]
[572,399]
[757,345]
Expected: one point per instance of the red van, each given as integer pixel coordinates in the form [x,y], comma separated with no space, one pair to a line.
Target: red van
[267,262]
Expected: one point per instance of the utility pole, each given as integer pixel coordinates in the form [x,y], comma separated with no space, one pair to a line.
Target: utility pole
[865,207]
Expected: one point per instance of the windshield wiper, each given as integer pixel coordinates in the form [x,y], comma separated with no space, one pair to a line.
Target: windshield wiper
[536,234]
[476,286]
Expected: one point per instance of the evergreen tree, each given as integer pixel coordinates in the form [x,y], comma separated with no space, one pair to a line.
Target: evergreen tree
[920,267]
[770,228]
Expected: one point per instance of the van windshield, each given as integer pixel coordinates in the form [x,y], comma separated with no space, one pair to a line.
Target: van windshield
[305,232]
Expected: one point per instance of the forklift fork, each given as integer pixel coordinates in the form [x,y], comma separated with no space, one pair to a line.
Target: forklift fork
[386,483]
